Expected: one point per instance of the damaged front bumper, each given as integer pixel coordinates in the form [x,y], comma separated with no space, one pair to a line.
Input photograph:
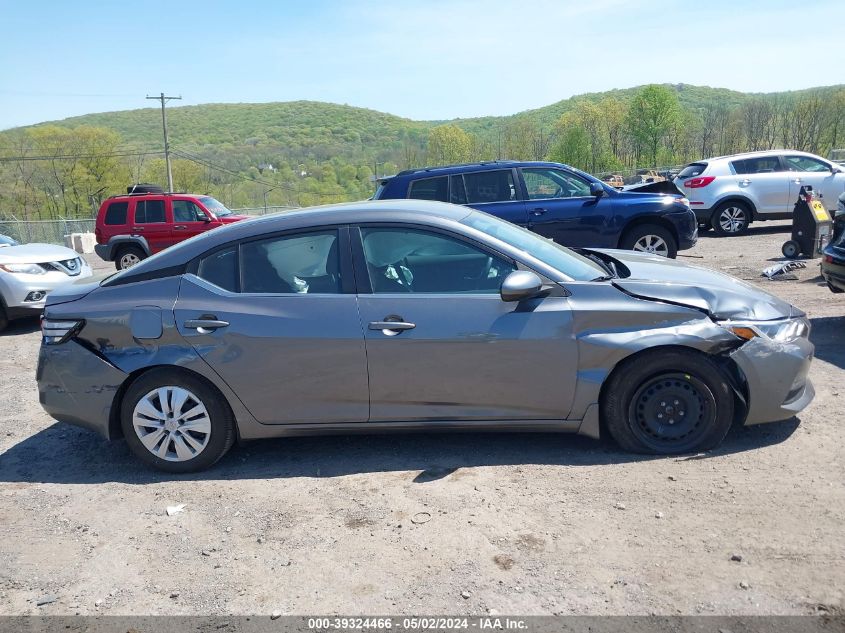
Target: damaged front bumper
[77,386]
[776,376]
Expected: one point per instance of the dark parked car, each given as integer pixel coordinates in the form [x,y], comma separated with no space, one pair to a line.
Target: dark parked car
[401,315]
[833,255]
[556,201]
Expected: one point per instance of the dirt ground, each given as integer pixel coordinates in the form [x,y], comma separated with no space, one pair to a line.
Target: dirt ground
[458,523]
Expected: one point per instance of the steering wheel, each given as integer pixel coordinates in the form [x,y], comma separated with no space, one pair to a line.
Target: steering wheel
[487,266]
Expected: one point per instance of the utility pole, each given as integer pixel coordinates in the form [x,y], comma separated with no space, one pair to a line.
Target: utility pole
[164,100]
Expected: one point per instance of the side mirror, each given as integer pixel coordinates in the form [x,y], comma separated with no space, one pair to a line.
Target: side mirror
[596,189]
[519,285]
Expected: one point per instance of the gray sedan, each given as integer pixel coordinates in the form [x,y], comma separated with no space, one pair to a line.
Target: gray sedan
[409,315]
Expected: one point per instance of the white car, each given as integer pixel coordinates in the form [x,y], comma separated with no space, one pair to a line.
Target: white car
[730,192]
[29,272]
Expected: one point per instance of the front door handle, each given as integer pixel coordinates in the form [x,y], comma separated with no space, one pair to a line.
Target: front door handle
[392,326]
[745,181]
[205,326]
[797,181]
[137,228]
[538,212]
[179,227]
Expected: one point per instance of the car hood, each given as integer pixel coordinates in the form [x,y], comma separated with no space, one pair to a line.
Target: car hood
[719,295]
[228,219]
[35,254]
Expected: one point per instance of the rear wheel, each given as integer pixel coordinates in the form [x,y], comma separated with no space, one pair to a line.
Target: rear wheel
[731,218]
[128,256]
[668,401]
[176,422]
[650,238]
[4,320]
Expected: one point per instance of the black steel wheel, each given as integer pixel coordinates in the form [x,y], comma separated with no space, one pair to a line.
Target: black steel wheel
[667,401]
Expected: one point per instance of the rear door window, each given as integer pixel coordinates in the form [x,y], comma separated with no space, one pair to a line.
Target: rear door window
[149,212]
[116,213]
[490,186]
[430,189]
[304,263]
[760,165]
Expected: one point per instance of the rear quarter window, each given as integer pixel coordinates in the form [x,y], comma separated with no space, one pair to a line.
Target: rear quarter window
[430,189]
[116,213]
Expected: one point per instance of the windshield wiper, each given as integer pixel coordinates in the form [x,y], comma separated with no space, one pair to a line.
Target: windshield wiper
[604,278]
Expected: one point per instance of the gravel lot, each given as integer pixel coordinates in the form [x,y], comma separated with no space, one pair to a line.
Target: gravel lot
[459,523]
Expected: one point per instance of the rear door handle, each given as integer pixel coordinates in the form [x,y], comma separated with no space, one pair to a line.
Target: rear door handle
[797,181]
[745,181]
[205,326]
[137,228]
[179,227]
[391,328]
[538,212]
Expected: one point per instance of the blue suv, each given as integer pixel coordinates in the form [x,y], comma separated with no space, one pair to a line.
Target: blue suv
[557,201]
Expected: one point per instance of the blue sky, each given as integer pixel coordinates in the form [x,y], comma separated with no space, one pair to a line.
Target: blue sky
[428,59]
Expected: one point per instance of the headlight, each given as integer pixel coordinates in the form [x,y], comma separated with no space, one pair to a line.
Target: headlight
[26,269]
[783,330]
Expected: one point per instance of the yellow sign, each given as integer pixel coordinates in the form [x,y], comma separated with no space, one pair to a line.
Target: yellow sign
[820,211]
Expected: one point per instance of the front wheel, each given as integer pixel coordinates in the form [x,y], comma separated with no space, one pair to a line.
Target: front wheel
[4,320]
[650,238]
[176,422]
[668,402]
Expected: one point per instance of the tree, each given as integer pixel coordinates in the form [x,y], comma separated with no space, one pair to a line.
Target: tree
[653,112]
[448,144]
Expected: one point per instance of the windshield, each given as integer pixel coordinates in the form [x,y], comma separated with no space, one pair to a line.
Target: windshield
[558,257]
[215,206]
[7,241]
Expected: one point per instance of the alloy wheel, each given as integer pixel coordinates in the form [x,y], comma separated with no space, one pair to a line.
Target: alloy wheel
[652,244]
[733,219]
[172,423]
[128,260]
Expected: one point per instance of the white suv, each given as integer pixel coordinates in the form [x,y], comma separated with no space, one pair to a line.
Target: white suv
[729,192]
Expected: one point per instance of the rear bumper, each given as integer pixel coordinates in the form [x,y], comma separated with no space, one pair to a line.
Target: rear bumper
[77,386]
[777,378]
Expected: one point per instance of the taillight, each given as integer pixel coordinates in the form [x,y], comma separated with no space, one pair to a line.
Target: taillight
[55,332]
[828,259]
[697,183]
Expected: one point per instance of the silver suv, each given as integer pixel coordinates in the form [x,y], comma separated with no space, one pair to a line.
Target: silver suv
[729,192]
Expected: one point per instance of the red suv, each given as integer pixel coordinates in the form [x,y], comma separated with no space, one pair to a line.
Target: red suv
[134,226]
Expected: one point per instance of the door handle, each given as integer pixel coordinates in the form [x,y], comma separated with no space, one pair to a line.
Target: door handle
[137,228]
[180,227]
[205,326]
[538,212]
[391,327]
[745,181]
[797,181]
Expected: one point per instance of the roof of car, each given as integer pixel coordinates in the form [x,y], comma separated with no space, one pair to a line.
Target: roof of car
[758,153]
[443,170]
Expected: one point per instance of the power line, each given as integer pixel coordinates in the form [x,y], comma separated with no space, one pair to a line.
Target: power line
[10,159]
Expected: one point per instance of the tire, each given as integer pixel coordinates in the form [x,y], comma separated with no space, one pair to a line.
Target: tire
[650,238]
[833,289]
[731,218]
[704,227]
[4,320]
[128,256]
[790,249]
[172,448]
[636,401]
